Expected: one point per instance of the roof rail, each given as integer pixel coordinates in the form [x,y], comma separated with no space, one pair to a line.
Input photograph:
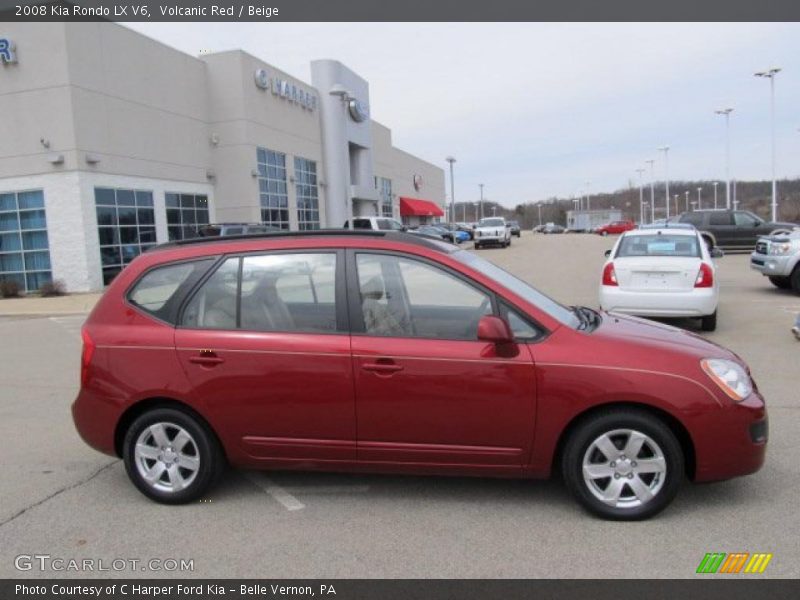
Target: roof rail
[400,236]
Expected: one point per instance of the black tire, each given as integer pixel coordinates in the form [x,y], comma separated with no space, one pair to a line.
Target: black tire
[205,448]
[784,283]
[794,278]
[666,484]
[477,246]
[709,323]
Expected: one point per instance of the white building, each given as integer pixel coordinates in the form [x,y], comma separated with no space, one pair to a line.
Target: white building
[111,142]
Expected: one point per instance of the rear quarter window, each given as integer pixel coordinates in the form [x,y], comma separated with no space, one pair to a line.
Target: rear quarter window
[160,290]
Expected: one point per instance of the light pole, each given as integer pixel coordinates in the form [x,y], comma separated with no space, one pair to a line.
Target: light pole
[699,198]
[715,193]
[494,210]
[481,201]
[588,205]
[451,160]
[665,150]
[641,195]
[651,162]
[475,204]
[539,206]
[687,202]
[676,203]
[726,112]
[770,74]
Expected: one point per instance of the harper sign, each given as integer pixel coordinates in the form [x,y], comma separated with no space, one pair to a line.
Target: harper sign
[285,89]
[7,51]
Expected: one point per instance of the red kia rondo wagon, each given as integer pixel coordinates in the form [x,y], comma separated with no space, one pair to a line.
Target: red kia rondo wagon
[387,352]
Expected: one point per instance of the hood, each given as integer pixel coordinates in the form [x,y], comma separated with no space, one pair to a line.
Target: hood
[649,337]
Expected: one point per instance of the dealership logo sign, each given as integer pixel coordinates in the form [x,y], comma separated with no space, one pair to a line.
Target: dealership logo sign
[418,182]
[736,562]
[359,111]
[285,89]
[7,51]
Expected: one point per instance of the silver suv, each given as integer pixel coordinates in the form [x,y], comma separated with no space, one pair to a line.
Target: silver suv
[778,257]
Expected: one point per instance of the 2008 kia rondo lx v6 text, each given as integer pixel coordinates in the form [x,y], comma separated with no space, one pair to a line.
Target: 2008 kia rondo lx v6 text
[387,352]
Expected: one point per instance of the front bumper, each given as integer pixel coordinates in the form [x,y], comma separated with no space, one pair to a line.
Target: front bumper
[696,302]
[732,441]
[490,238]
[773,265]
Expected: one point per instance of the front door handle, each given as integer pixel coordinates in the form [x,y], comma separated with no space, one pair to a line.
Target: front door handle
[386,367]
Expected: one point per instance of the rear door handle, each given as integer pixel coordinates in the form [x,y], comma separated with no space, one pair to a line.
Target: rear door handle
[206,358]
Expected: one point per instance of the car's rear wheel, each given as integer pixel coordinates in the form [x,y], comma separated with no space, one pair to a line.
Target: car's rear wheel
[171,457]
[623,465]
[784,283]
[709,322]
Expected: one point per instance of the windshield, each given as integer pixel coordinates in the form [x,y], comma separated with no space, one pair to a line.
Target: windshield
[560,313]
[659,245]
[491,223]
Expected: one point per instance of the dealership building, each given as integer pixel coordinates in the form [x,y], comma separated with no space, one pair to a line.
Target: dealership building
[111,142]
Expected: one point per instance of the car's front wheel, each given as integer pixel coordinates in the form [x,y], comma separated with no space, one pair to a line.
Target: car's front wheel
[794,279]
[623,464]
[171,457]
[783,283]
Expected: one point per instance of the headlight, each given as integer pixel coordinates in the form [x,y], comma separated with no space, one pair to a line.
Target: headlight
[780,249]
[729,376]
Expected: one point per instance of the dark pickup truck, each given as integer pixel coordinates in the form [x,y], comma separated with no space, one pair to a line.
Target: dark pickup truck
[732,229]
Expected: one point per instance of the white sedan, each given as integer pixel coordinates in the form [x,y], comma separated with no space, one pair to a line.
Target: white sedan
[662,273]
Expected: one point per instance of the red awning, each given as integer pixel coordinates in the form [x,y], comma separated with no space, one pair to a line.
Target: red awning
[414,207]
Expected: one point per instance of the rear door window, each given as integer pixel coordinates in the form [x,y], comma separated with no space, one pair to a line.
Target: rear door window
[268,292]
[720,218]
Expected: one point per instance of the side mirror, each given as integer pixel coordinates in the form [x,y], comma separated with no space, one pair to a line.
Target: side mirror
[607,253]
[495,330]
[716,252]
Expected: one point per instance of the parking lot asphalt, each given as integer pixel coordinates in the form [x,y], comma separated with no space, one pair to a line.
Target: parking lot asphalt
[60,498]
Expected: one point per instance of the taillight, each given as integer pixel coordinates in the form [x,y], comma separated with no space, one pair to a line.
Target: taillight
[86,355]
[609,275]
[705,277]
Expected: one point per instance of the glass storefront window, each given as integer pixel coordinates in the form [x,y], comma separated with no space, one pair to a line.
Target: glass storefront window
[24,247]
[305,176]
[186,213]
[125,226]
[272,190]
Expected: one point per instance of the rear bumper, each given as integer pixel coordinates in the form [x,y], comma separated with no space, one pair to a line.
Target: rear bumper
[96,420]
[697,302]
[774,266]
[732,442]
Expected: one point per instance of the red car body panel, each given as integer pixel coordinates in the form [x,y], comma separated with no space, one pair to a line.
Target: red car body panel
[355,402]
[616,227]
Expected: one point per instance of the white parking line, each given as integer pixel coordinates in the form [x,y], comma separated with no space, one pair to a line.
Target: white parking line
[285,495]
[329,489]
[288,501]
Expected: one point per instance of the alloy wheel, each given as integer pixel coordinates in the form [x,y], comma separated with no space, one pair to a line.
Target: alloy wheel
[167,457]
[624,468]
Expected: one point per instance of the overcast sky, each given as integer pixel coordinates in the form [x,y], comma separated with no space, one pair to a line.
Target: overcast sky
[536,110]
